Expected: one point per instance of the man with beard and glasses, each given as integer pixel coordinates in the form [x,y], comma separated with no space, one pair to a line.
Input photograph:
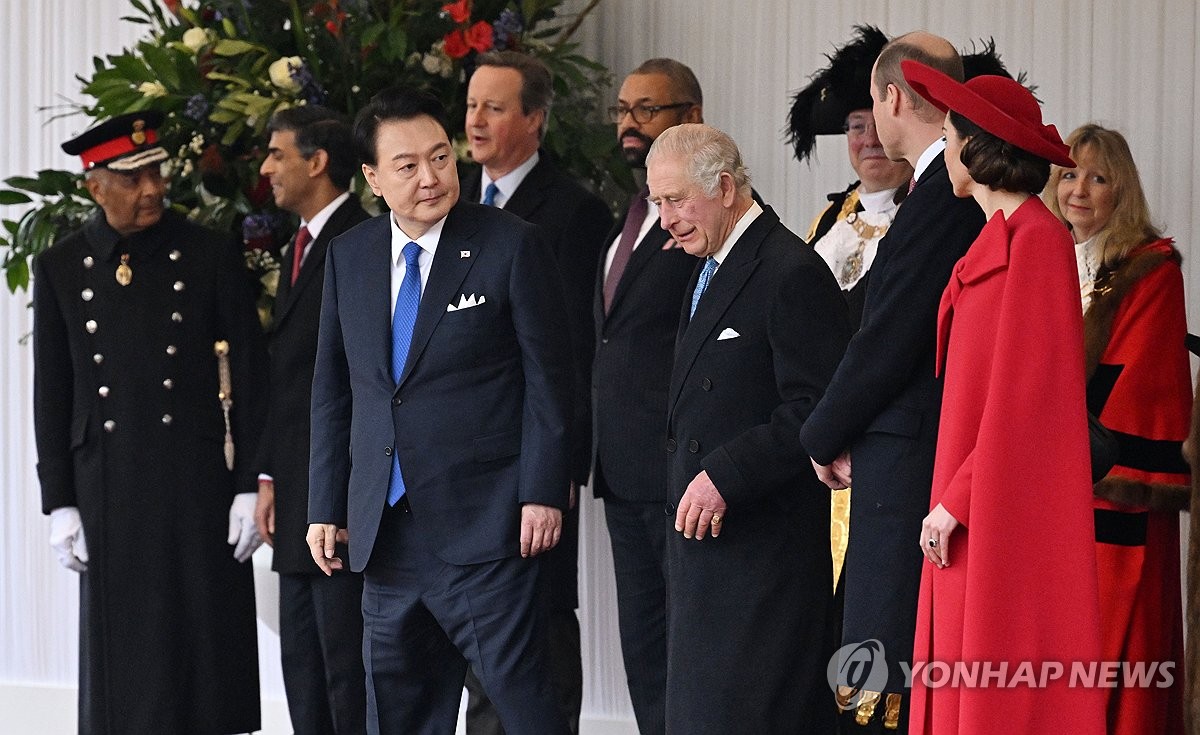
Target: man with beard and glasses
[639,289]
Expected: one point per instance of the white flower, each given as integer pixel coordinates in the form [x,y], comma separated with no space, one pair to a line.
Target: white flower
[281,72]
[187,168]
[197,144]
[431,64]
[195,39]
[152,89]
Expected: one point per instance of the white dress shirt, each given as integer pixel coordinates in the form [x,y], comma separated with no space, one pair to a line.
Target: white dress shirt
[507,184]
[428,243]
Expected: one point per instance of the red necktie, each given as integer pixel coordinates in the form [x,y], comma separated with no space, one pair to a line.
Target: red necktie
[302,241]
[633,225]
[912,184]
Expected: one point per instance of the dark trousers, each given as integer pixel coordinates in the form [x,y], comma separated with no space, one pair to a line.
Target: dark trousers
[639,560]
[566,674]
[425,619]
[320,641]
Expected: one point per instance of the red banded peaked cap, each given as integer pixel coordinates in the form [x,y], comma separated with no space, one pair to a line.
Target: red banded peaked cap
[999,105]
[123,143]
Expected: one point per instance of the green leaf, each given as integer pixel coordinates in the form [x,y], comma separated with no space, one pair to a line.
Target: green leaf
[137,4]
[131,68]
[159,61]
[230,28]
[16,271]
[237,81]
[372,34]
[223,117]
[397,44]
[9,197]
[231,47]
[234,132]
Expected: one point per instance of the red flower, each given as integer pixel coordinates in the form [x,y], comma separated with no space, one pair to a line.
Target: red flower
[460,12]
[260,193]
[173,6]
[456,45]
[479,36]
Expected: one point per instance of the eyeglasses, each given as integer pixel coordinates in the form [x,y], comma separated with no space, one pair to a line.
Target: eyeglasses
[858,128]
[642,114]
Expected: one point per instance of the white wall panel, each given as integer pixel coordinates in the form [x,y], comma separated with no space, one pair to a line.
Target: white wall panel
[1129,65]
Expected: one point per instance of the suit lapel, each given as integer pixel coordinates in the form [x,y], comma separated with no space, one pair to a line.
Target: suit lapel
[445,276]
[532,193]
[288,293]
[726,284]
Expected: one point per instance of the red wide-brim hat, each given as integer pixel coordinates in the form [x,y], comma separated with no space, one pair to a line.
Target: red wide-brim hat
[1001,106]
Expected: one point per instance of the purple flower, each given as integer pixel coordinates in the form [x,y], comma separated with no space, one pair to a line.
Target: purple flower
[196,107]
[256,227]
[310,89]
[506,28]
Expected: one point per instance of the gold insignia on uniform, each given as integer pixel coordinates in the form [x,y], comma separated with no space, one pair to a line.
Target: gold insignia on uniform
[138,136]
[124,272]
[891,712]
[866,707]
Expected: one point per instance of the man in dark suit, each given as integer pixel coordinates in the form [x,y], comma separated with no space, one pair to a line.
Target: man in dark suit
[882,406]
[749,575]
[508,108]
[639,286]
[457,424]
[142,472]
[310,162]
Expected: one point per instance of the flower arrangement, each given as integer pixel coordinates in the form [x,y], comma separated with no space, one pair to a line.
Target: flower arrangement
[220,69]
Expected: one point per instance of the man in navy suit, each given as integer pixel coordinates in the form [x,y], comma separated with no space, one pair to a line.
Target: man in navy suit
[882,406]
[456,418]
[508,107]
[310,162]
[749,576]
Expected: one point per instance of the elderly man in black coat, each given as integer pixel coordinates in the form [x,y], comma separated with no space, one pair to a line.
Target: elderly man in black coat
[145,471]
[750,577]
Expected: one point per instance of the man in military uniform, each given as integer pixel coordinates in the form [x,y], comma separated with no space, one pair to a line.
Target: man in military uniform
[144,439]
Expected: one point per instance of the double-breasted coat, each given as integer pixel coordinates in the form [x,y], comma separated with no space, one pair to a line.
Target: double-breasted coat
[746,611]
[130,430]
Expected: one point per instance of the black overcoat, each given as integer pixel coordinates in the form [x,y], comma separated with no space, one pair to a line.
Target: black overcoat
[746,611]
[130,430]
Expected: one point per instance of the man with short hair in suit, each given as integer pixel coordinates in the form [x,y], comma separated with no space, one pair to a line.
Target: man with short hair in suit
[882,406]
[440,442]
[310,162]
[508,107]
[749,578]
[639,288]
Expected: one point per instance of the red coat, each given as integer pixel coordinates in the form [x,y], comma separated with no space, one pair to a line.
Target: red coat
[1142,390]
[1013,468]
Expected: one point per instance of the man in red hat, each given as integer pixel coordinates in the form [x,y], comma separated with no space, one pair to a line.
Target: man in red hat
[144,473]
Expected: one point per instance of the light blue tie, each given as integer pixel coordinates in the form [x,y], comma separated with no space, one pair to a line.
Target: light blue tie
[403,320]
[489,194]
[710,267]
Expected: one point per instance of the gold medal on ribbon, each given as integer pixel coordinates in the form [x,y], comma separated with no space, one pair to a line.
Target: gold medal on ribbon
[124,272]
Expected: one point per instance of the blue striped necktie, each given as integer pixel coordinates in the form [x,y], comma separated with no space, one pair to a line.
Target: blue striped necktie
[489,194]
[710,267]
[403,321]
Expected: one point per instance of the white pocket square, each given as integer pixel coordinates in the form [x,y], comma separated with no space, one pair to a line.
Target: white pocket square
[466,302]
[728,333]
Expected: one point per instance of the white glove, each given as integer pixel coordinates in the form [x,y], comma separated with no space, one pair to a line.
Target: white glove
[66,538]
[243,532]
